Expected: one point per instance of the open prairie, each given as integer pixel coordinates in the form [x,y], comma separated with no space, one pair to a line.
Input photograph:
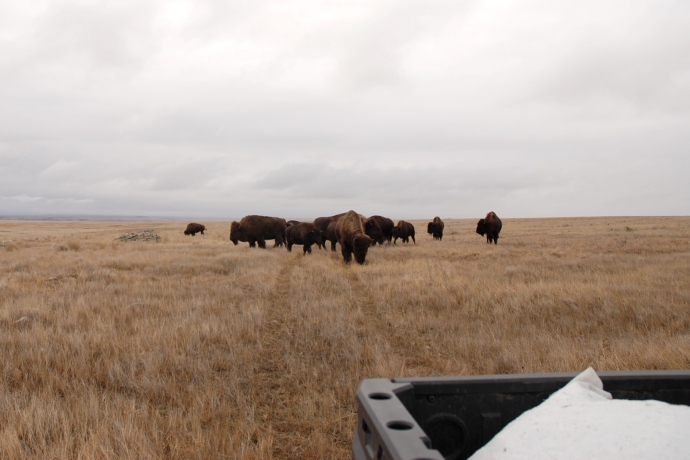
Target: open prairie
[194,348]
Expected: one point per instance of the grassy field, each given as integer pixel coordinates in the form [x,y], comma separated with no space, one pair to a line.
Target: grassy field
[194,348]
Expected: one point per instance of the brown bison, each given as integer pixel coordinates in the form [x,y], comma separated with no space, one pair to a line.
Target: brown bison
[193,229]
[322,224]
[304,233]
[349,231]
[330,235]
[490,226]
[373,230]
[258,229]
[386,226]
[404,230]
[435,228]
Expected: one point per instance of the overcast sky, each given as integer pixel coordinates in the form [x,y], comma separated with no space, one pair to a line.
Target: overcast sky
[409,109]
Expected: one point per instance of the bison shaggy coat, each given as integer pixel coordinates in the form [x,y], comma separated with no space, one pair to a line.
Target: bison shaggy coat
[404,230]
[490,226]
[435,228]
[349,231]
[258,229]
[304,233]
[194,228]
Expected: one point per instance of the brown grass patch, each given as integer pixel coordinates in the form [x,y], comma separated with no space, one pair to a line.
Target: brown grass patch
[195,348]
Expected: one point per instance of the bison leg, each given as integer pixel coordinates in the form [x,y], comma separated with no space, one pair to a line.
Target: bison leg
[261,243]
[347,254]
[288,245]
[415,241]
[307,249]
[333,246]
[252,243]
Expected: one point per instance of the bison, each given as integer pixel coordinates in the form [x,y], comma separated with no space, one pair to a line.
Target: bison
[373,230]
[258,229]
[304,233]
[386,225]
[435,228]
[404,230]
[330,235]
[490,226]
[322,224]
[349,231]
[193,229]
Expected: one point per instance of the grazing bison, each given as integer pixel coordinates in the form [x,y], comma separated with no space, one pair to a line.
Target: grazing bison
[322,224]
[349,231]
[490,226]
[304,233]
[435,228]
[404,230]
[258,229]
[386,225]
[193,229]
[330,235]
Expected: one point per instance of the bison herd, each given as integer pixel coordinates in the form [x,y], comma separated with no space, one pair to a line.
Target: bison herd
[354,232]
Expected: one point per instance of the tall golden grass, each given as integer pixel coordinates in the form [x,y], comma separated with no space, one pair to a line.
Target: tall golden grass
[195,348]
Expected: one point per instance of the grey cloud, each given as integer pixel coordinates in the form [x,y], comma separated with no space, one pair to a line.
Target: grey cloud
[530,108]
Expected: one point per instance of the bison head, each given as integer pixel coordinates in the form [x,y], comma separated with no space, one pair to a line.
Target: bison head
[236,233]
[360,247]
[481,227]
[431,228]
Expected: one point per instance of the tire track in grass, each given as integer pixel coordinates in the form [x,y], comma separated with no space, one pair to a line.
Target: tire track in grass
[373,323]
[398,343]
[276,386]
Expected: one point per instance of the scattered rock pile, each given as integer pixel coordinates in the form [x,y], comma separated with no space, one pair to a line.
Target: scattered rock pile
[144,235]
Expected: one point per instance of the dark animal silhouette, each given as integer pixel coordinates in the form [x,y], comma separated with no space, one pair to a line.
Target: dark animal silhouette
[330,235]
[435,228]
[322,224]
[405,231]
[304,233]
[349,231]
[258,229]
[193,229]
[490,226]
[373,230]
[386,225]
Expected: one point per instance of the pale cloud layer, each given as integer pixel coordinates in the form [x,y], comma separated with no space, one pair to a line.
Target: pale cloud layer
[299,109]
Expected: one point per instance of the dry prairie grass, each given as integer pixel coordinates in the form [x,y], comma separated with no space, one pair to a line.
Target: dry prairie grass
[195,348]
